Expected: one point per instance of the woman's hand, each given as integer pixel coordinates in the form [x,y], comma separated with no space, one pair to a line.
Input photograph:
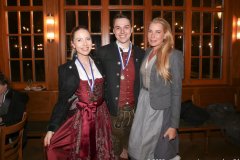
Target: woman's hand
[171,133]
[47,138]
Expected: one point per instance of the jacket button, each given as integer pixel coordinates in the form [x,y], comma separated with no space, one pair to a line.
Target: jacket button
[118,74]
[116,98]
[117,86]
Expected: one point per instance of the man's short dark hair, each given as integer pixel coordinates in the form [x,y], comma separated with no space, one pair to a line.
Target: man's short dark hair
[3,79]
[120,15]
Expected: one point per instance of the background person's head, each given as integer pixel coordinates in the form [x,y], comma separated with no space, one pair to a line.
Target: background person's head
[3,83]
[122,28]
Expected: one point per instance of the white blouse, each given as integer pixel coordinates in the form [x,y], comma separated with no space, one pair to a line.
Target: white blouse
[82,73]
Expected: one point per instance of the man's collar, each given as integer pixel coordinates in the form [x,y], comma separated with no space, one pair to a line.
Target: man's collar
[124,49]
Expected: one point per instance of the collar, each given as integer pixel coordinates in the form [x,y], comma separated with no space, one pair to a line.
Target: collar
[124,49]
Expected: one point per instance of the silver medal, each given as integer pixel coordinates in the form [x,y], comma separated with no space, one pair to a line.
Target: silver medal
[122,77]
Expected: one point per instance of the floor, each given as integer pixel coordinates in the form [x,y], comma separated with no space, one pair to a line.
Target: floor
[219,148]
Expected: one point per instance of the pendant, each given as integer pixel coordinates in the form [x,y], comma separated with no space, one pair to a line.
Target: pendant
[93,99]
[122,77]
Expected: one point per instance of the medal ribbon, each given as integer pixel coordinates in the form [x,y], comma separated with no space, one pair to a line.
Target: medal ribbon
[120,55]
[90,82]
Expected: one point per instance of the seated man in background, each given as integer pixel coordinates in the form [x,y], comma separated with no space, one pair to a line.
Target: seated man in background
[12,103]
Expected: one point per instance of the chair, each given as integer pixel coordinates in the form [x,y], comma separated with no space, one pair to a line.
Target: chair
[12,150]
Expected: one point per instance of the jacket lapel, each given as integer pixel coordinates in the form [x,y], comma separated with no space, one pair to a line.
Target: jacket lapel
[73,68]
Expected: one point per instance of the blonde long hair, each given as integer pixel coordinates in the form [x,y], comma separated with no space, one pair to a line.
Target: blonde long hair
[162,61]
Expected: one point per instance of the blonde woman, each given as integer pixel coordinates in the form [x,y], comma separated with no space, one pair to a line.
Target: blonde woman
[154,130]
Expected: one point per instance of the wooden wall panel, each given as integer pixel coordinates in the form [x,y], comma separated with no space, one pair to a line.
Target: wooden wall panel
[216,95]
[235,44]
[40,105]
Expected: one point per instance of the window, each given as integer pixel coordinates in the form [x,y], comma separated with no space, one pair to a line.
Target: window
[83,14]
[197,27]
[25,40]
[207,40]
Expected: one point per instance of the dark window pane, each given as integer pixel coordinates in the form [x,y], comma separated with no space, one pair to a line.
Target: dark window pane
[196,3]
[39,70]
[126,2]
[97,42]
[167,15]
[207,46]
[156,14]
[27,70]
[68,46]
[179,22]
[217,47]
[195,68]
[128,14]
[217,67]
[138,41]
[12,22]
[112,38]
[179,42]
[195,22]
[11,2]
[24,2]
[218,23]
[25,22]
[38,22]
[38,47]
[70,2]
[207,22]
[138,2]
[95,2]
[167,2]
[83,18]
[206,68]
[156,2]
[26,47]
[195,46]
[138,21]
[114,2]
[207,3]
[219,3]
[112,15]
[70,21]
[37,2]
[179,2]
[95,21]
[14,47]
[15,71]
[82,2]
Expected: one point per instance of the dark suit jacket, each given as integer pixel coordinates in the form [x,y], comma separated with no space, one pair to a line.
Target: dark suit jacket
[68,83]
[109,60]
[15,102]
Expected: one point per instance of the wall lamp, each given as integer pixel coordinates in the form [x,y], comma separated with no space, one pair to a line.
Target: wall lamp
[50,28]
[238,28]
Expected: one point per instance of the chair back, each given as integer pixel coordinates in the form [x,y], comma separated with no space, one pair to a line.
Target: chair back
[12,150]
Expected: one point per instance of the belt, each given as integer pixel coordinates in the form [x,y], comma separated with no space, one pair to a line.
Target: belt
[145,88]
